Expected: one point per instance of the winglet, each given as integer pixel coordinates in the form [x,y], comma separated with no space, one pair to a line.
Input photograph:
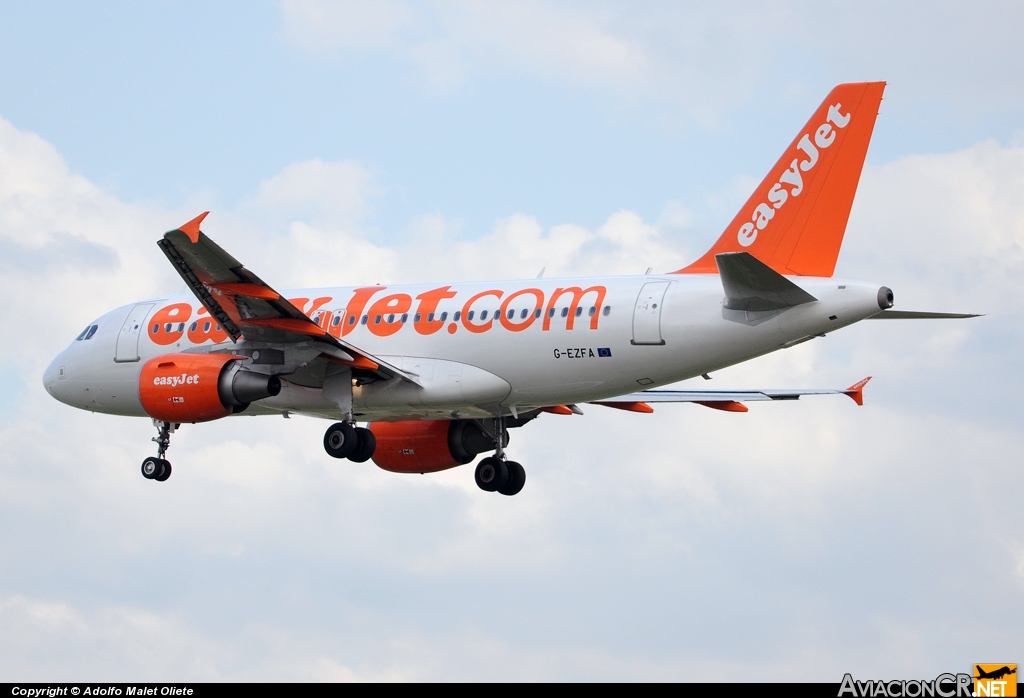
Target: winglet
[856,391]
[192,227]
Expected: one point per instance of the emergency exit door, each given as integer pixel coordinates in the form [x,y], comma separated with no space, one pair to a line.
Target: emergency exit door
[647,313]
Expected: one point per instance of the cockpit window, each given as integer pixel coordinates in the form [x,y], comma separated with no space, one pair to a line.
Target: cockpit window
[91,331]
[80,337]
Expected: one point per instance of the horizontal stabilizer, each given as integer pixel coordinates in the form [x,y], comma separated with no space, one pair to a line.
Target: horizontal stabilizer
[750,284]
[920,315]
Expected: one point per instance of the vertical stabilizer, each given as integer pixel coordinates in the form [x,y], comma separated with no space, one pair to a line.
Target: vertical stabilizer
[795,219]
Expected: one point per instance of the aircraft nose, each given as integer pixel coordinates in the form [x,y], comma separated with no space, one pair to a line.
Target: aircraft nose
[54,376]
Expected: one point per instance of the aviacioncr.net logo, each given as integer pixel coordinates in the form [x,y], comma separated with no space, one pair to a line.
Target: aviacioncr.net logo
[942,686]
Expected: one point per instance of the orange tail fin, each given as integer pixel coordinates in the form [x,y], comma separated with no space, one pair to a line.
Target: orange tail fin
[795,219]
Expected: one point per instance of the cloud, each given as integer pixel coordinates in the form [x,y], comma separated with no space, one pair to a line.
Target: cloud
[699,60]
[800,540]
[447,40]
[332,192]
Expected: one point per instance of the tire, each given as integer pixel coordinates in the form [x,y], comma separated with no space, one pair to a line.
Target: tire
[165,471]
[516,479]
[491,474]
[367,444]
[151,468]
[340,440]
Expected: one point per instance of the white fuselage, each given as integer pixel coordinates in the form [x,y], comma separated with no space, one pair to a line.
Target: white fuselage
[646,331]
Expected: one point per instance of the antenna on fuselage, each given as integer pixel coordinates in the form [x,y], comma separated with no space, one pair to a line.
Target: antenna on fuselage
[541,274]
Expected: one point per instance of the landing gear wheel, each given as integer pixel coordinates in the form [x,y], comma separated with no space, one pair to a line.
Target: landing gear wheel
[151,468]
[491,474]
[165,471]
[516,479]
[340,440]
[367,444]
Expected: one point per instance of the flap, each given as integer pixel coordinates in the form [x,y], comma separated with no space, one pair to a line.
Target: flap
[752,285]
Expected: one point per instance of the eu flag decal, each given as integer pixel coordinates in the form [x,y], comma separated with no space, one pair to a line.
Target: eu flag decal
[605,351]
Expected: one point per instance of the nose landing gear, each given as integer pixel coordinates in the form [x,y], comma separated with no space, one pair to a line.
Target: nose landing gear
[157,468]
[495,473]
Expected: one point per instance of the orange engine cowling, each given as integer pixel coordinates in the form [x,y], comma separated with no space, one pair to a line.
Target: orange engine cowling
[200,387]
[428,446]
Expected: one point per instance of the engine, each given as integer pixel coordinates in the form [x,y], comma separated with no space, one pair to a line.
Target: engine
[200,387]
[428,446]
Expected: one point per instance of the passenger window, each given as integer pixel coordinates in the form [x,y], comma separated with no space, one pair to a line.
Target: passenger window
[391,317]
[565,312]
[194,327]
[336,321]
[420,315]
[607,309]
[522,315]
[444,316]
[156,328]
[483,316]
[91,331]
[365,318]
[470,316]
[458,314]
[376,320]
[206,326]
[218,327]
[430,317]
[551,312]
[536,313]
[405,316]
[593,311]
[351,320]
[168,327]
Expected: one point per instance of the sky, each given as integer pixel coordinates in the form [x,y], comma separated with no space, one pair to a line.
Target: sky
[350,142]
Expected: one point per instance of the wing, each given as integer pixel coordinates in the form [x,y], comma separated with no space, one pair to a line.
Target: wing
[728,400]
[246,306]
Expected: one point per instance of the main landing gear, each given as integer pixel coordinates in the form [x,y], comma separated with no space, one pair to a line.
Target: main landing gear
[157,468]
[343,440]
[496,473]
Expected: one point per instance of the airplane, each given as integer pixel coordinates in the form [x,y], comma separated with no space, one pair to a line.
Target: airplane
[995,674]
[439,373]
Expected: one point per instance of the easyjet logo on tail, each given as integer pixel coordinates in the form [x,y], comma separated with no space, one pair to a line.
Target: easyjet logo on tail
[824,136]
[795,220]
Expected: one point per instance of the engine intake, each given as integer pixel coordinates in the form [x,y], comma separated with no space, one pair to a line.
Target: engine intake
[200,387]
